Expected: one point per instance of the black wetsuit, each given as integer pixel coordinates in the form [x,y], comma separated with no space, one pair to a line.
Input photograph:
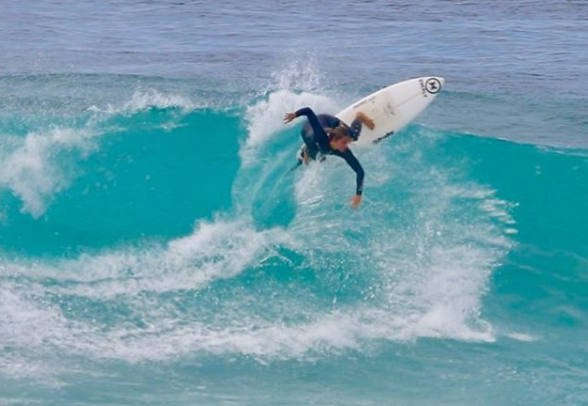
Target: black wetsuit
[317,140]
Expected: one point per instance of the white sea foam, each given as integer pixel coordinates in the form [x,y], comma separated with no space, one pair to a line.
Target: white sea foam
[38,330]
[294,87]
[302,73]
[215,250]
[144,99]
[265,118]
[31,329]
[36,167]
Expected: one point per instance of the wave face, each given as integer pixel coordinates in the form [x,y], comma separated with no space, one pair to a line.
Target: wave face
[162,240]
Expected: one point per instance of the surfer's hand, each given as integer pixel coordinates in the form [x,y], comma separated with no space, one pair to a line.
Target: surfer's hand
[355,201]
[289,117]
[366,120]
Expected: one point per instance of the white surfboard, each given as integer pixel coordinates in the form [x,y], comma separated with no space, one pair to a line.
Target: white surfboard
[392,107]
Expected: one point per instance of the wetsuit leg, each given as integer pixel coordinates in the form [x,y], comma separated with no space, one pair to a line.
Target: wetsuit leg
[307,136]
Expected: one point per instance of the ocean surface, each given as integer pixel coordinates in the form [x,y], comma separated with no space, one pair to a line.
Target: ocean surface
[154,249]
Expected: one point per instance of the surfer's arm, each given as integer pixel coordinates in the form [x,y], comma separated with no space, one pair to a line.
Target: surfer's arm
[317,128]
[365,119]
[305,111]
[361,118]
[356,166]
[355,128]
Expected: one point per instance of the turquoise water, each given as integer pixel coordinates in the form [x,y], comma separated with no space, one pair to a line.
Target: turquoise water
[154,248]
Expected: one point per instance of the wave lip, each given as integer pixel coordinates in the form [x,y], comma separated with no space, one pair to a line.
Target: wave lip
[37,167]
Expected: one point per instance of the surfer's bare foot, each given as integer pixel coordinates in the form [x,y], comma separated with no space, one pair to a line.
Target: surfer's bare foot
[355,201]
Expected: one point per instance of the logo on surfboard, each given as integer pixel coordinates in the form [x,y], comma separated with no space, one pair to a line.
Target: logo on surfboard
[433,85]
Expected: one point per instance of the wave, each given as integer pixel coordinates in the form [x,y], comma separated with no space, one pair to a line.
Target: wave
[281,268]
[385,273]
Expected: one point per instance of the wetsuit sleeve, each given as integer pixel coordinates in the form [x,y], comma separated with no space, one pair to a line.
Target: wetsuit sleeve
[319,132]
[356,128]
[356,166]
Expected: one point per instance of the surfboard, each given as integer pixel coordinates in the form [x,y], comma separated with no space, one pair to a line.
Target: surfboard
[392,107]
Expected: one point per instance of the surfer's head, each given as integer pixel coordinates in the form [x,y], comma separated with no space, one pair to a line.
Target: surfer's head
[339,138]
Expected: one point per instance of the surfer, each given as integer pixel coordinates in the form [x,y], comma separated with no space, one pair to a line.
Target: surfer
[327,135]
